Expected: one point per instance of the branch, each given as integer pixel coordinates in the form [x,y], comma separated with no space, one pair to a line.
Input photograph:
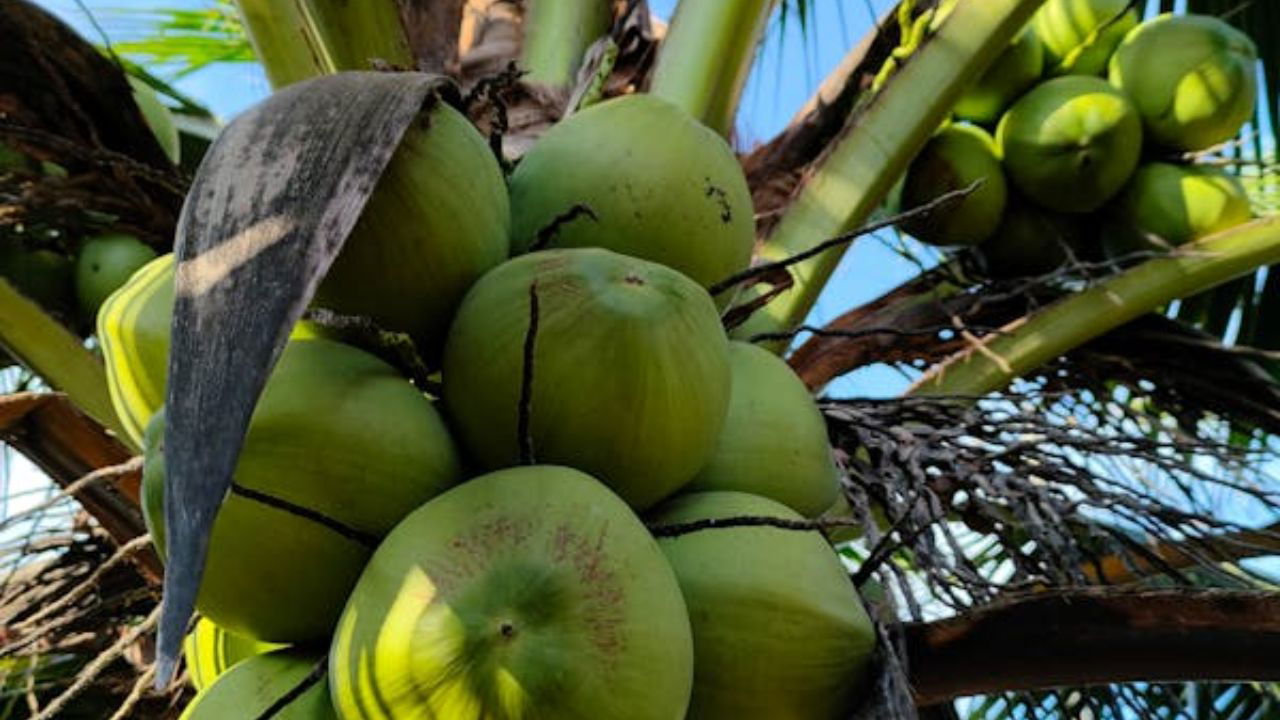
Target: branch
[1028,344]
[1089,637]
[1162,557]
[67,445]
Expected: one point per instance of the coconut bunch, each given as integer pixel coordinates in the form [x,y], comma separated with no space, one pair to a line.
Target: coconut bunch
[600,512]
[1078,141]
[69,277]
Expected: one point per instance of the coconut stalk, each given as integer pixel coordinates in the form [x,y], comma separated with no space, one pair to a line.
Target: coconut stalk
[556,35]
[57,355]
[302,39]
[704,61]
[1031,342]
[889,129]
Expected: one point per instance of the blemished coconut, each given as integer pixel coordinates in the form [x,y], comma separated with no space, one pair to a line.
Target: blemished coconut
[1191,77]
[629,379]
[1167,205]
[1013,73]
[210,651]
[339,449]
[662,186]
[438,219]
[532,592]
[954,159]
[779,632]
[105,263]
[1071,143]
[774,442]
[1079,36]
[288,684]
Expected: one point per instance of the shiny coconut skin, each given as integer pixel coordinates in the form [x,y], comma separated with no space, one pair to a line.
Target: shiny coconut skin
[531,593]
[1192,78]
[1015,71]
[133,328]
[662,186]
[1071,143]
[322,477]
[1079,36]
[779,632]
[438,220]
[630,373]
[103,265]
[774,442]
[256,685]
[1167,205]
[209,651]
[955,158]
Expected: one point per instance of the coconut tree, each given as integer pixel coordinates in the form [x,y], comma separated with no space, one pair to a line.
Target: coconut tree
[1037,521]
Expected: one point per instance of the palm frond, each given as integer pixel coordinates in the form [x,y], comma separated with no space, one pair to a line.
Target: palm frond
[183,39]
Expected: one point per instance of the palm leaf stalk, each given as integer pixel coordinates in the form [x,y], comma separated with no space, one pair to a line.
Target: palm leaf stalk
[298,40]
[57,355]
[706,56]
[1081,317]
[557,34]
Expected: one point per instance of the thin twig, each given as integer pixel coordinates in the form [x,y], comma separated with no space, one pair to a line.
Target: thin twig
[110,472]
[100,663]
[139,689]
[677,529]
[944,200]
[122,554]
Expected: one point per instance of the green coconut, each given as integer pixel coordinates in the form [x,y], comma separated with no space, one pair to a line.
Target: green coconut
[1192,78]
[105,263]
[1079,36]
[527,593]
[43,275]
[1071,143]
[1013,73]
[630,372]
[158,118]
[288,684]
[1031,241]
[210,651]
[662,187]
[778,629]
[339,449]
[774,441]
[438,220]
[955,158]
[1168,205]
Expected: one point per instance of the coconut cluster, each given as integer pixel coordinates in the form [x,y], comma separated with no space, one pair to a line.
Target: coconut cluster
[69,277]
[1074,142]
[593,517]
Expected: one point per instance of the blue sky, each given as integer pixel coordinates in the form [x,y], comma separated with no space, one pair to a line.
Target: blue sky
[792,63]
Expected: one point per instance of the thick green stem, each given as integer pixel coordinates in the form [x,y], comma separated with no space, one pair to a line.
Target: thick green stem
[705,59]
[298,39]
[859,169]
[57,355]
[1075,320]
[556,35]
